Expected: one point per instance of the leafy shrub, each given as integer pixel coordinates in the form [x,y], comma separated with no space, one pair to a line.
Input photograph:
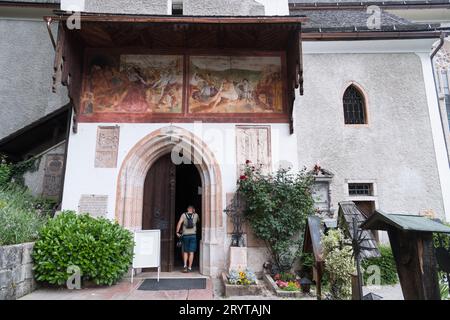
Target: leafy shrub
[20,220]
[102,250]
[306,265]
[5,171]
[276,207]
[386,263]
[14,172]
[339,264]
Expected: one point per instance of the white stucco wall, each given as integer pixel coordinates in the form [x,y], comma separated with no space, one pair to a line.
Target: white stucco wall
[401,149]
[83,178]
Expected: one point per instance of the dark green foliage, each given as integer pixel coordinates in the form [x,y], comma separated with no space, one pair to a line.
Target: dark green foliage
[277,207]
[307,262]
[13,172]
[103,250]
[386,263]
[5,171]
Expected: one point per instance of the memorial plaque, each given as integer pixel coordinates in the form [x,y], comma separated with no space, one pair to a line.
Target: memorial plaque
[54,165]
[253,144]
[107,147]
[95,205]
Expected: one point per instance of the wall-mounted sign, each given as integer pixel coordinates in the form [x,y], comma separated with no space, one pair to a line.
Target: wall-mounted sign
[95,205]
[147,250]
[107,147]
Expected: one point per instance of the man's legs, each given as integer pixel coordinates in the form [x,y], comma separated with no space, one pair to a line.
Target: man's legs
[191,259]
[185,259]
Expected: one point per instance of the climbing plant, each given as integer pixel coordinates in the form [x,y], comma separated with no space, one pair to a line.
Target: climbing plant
[14,172]
[276,207]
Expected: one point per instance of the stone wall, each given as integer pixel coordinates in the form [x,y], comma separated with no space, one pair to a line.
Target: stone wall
[223,8]
[16,271]
[39,181]
[157,7]
[26,69]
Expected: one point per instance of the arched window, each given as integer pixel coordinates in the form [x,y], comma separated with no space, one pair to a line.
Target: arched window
[354,106]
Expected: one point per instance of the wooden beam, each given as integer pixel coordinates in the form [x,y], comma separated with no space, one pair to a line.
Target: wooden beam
[195,20]
[57,64]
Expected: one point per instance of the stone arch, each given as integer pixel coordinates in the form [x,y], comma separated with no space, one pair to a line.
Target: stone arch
[130,188]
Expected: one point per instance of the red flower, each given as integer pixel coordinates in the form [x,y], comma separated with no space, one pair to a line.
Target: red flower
[247,162]
[243,177]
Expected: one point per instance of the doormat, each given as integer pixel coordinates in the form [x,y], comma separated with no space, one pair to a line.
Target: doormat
[172,284]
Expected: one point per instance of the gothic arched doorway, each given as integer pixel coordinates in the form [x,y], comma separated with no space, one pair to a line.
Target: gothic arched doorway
[131,185]
[168,190]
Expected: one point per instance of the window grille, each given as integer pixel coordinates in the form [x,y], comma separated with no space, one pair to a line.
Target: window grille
[354,108]
[360,189]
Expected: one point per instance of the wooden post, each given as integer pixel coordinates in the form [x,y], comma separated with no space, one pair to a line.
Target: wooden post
[317,276]
[356,289]
[416,264]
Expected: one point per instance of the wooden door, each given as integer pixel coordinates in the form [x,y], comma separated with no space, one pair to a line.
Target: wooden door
[159,207]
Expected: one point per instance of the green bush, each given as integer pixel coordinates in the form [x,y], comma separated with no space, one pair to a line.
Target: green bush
[339,264]
[102,250]
[276,207]
[5,171]
[386,263]
[20,220]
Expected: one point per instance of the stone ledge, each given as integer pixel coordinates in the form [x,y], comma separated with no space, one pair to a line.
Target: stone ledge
[281,293]
[240,290]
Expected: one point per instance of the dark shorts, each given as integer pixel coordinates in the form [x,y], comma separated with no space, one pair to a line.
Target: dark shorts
[189,243]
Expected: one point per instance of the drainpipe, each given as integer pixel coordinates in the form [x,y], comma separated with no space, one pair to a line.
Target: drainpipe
[433,54]
[63,178]
[49,21]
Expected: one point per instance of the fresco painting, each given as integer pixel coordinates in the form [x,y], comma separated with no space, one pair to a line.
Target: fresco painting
[134,84]
[235,84]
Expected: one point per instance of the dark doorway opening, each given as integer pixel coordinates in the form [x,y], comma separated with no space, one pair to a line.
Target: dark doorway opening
[188,191]
[168,190]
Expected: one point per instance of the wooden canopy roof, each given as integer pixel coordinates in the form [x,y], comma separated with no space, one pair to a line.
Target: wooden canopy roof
[265,33]
[405,222]
[347,212]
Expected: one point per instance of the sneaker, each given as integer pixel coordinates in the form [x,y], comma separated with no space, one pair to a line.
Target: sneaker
[185,270]
[189,270]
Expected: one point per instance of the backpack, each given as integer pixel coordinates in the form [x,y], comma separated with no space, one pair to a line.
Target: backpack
[190,221]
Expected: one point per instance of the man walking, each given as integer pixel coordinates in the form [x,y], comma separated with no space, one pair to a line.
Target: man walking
[188,221]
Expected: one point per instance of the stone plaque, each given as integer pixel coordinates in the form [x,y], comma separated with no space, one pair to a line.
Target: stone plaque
[107,147]
[238,258]
[95,205]
[253,144]
[54,165]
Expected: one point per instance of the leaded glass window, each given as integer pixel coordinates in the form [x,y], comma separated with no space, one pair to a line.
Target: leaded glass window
[354,107]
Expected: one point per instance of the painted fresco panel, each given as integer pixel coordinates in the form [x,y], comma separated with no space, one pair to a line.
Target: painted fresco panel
[133,84]
[235,84]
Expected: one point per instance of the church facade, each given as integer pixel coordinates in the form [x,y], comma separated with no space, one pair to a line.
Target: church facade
[170,100]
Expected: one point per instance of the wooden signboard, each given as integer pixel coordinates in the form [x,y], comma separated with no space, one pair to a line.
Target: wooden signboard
[147,250]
